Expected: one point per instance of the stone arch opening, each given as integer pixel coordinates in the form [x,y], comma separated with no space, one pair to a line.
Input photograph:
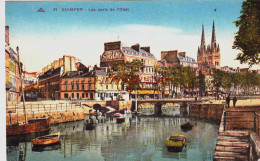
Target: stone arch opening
[158,109]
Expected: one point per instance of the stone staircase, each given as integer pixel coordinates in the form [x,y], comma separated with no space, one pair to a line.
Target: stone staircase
[232,146]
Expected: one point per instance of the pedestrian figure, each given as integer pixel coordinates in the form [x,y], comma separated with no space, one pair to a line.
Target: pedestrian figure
[234,101]
[228,100]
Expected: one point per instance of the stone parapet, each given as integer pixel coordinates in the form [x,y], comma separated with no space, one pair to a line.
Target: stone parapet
[206,111]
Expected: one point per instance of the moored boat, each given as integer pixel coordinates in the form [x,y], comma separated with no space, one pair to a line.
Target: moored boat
[175,142]
[117,115]
[32,126]
[120,119]
[186,126]
[47,139]
[89,126]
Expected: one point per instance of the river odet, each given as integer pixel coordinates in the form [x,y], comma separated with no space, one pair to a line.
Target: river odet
[141,138]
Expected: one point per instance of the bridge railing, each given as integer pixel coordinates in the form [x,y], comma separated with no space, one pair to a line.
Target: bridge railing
[42,107]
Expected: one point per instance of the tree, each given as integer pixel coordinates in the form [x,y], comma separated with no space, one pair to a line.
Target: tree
[236,79]
[202,83]
[218,79]
[247,38]
[128,73]
[192,80]
[163,79]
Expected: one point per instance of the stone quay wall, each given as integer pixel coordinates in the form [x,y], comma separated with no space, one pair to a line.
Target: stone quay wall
[56,116]
[208,111]
[59,115]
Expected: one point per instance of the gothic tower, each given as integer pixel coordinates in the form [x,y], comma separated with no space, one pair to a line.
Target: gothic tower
[209,57]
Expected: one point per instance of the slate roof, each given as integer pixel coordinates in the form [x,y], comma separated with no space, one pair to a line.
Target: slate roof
[186,59]
[77,74]
[141,53]
[101,72]
[50,73]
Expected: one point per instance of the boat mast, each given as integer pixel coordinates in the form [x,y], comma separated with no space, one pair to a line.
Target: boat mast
[21,79]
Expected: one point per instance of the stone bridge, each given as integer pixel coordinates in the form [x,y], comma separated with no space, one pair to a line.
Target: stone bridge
[161,107]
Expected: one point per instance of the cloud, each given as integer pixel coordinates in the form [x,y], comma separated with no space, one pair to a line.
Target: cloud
[37,52]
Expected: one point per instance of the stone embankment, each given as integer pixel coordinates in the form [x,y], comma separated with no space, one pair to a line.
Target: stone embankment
[207,110]
[59,111]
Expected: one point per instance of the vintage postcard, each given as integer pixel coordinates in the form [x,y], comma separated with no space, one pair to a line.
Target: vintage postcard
[132,80]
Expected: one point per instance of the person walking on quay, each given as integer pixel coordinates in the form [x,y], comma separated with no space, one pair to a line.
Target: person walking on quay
[234,101]
[228,100]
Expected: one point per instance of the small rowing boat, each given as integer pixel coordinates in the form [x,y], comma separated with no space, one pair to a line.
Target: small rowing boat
[175,142]
[47,139]
[186,126]
[120,120]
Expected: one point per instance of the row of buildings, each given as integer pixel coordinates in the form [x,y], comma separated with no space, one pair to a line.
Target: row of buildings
[68,78]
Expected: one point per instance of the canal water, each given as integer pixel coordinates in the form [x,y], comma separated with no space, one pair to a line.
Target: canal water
[141,138]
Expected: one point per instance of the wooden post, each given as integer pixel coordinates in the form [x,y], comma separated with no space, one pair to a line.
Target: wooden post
[10,118]
[224,120]
[21,80]
[254,121]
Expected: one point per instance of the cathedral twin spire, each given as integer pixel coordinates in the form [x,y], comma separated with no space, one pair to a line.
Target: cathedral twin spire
[213,40]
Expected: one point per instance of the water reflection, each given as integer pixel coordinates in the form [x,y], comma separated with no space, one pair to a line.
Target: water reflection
[136,139]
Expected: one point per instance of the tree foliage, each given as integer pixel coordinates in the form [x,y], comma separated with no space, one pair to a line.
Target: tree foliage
[247,38]
[128,73]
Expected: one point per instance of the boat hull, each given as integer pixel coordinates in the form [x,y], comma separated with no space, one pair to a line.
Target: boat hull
[39,126]
[174,148]
[89,126]
[175,143]
[53,141]
[120,120]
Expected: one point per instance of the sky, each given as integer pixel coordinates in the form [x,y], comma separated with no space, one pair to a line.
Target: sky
[163,25]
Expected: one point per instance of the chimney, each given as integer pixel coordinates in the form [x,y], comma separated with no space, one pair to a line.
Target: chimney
[52,64]
[136,47]
[56,64]
[182,54]
[72,64]
[7,34]
[146,48]
[48,67]
[60,62]
[112,45]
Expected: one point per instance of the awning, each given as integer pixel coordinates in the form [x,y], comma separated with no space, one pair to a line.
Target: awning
[148,92]
[30,87]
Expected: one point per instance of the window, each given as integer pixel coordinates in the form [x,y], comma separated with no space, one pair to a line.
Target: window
[66,95]
[91,96]
[72,85]
[86,95]
[66,88]
[77,95]
[77,85]
[82,86]
[106,86]
[82,95]
[89,86]
[72,95]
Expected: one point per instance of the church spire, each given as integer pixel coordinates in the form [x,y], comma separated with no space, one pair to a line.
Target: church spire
[202,45]
[213,38]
